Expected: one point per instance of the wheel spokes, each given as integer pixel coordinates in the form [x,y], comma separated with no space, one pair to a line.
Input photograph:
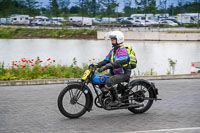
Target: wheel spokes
[140,94]
[74,101]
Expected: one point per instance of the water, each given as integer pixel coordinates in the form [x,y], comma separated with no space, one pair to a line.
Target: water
[150,54]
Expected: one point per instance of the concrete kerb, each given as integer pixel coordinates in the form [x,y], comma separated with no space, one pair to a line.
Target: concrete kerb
[65,80]
[36,82]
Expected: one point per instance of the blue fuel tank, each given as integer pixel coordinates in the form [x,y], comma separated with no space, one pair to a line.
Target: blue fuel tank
[99,78]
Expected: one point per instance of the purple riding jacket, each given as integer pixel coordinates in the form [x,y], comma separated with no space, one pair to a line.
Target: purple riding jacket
[121,54]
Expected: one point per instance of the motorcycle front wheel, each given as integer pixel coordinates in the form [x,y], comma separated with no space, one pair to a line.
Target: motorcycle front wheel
[73,102]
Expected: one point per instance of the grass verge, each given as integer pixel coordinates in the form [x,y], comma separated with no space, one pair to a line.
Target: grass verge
[11,33]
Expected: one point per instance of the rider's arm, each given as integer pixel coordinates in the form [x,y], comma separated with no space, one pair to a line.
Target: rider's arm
[102,63]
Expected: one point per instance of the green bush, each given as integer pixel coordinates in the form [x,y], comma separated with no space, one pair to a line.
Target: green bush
[192,25]
[37,69]
[43,33]
[6,32]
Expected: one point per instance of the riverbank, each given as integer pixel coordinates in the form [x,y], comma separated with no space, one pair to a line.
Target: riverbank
[65,80]
[27,33]
[176,34]
[157,36]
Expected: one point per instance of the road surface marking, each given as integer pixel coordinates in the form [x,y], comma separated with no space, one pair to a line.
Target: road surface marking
[165,130]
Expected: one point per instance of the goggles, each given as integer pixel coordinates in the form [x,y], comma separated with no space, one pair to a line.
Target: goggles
[113,37]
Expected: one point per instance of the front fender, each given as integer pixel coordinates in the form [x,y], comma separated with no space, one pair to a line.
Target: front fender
[143,81]
[84,87]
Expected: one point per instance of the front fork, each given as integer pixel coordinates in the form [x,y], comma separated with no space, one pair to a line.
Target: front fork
[86,90]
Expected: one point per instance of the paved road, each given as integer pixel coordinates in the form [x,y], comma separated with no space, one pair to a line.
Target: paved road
[33,109]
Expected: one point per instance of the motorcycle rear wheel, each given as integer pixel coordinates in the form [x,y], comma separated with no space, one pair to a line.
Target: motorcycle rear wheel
[142,91]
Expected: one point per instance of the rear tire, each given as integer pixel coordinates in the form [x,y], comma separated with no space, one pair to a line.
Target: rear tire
[72,102]
[149,103]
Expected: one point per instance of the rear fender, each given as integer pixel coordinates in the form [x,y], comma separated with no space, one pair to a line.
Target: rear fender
[150,84]
[85,90]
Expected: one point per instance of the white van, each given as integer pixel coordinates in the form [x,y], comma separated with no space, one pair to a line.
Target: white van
[72,20]
[80,21]
[2,20]
[87,22]
[142,17]
[20,19]
[187,18]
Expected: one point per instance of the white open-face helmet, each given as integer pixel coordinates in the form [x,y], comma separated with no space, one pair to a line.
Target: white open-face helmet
[117,35]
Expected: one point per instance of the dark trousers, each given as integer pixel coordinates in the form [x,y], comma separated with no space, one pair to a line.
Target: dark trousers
[115,79]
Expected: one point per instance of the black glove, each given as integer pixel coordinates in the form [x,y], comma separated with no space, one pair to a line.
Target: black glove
[93,66]
[96,66]
[101,69]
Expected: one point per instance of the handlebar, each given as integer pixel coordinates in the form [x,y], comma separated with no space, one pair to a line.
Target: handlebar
[92,67]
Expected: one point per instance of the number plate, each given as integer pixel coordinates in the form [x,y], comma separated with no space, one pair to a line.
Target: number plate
[85,75]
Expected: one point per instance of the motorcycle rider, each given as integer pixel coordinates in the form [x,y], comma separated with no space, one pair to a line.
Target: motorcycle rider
[117,61]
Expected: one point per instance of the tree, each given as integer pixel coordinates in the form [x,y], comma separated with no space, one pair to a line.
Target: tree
[84,7]
[75,10]
[162,6]
[6,7]
[93,8]
[127,7]
[146,6]
[33,7]
[109,7]
[54,7]
[63,5]
[170,9]
[151,8]
[9,7]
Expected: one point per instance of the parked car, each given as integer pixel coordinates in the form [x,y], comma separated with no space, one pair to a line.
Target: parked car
[145,22]
[53,22]
[96,21]
[150,22]
[168,22]
[120,19]
[108,20]
[127,21]
[58,19]
[40,21]
[170,19]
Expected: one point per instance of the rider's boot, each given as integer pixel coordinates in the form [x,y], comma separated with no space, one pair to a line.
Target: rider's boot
[116,100]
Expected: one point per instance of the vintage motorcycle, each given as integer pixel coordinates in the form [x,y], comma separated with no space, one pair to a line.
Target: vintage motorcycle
[76,98]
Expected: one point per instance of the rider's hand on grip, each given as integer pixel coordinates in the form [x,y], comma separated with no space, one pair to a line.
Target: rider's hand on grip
[93,66]
[96,66]
[101,69]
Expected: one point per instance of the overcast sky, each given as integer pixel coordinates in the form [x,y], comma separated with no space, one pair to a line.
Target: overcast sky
[169,2]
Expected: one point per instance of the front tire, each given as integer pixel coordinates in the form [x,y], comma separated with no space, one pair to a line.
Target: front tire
[73,102]
[142,91]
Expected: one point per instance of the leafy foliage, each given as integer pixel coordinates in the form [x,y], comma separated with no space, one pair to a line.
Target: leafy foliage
[47,33]
[38,69]
[172,65]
